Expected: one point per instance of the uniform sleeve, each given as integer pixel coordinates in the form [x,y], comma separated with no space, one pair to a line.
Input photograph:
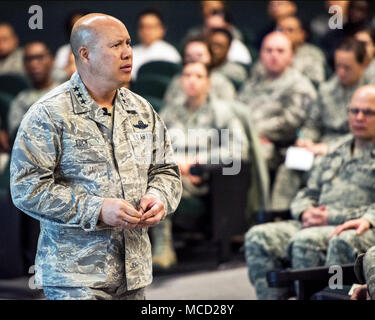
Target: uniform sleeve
[33,181]
[370,215]
[164,175]
[308,196]
[291,118]
[340,216]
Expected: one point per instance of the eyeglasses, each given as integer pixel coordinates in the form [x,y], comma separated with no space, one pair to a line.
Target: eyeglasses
[39,57]
[365,112]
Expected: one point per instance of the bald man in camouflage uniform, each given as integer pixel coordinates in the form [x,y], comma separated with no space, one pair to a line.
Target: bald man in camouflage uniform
[339,197]
[327,120]
[278,99]
[96,180]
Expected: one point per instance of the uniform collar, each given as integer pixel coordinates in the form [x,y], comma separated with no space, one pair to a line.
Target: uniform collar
[84,103]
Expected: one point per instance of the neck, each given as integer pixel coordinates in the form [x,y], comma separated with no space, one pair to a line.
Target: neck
[102,95]
[42,85]
[351,85]
[194,103]
[363,143]
[273,75]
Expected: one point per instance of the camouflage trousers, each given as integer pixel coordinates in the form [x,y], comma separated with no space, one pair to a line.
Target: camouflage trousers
[369,271]
[86,293]
[276,245]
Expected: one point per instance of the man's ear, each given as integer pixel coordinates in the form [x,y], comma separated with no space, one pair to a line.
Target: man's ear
[83,53]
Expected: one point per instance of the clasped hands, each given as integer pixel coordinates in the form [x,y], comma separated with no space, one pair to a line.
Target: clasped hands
[318,216]
[120,213]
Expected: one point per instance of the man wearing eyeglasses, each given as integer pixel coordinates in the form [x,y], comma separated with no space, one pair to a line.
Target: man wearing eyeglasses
[333,216]
[327,120]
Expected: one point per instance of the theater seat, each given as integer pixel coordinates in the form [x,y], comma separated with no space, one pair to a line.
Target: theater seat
[12,83]
[5,101]
[160,68]
[151,85]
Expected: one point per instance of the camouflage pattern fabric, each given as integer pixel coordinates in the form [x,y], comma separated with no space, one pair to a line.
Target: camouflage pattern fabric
[66,160]
[328,117]
[327,122]
[21,104]
[232,70]
[213,115]
[310,61]
[279,106]
[13,63]
[370,72]
[86,293]
[344,183]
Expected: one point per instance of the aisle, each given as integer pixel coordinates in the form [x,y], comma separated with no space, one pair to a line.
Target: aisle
[227,284]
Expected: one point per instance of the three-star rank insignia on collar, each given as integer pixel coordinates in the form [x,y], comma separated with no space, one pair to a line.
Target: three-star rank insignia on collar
[140,125]
[79,95]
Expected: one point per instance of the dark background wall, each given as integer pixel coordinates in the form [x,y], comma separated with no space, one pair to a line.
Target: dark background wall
[179,16]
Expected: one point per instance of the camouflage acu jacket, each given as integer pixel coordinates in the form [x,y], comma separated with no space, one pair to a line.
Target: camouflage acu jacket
[279,106]
[65,162]
[345,183]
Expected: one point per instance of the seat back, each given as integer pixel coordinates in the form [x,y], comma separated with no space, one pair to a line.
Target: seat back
[5,101]
[160,68]
[13,83]
[151,85]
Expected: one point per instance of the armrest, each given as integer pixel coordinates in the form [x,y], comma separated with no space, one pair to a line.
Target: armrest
[310,280]
[273,215]
[201,169]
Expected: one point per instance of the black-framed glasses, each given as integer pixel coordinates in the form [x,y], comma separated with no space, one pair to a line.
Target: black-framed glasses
[365,112]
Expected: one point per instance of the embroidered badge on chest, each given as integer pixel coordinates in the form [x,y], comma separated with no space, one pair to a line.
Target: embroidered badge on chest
[140,125]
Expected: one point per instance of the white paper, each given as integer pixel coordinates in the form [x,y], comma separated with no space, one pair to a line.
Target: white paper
[299,159]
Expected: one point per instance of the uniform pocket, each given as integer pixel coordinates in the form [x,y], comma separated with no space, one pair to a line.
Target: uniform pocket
[82,252]
[142,143]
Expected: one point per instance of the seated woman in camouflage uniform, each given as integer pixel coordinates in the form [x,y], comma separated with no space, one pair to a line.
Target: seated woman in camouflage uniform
[199,115]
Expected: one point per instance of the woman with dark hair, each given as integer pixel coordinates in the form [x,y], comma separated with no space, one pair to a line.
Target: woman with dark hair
[367,36]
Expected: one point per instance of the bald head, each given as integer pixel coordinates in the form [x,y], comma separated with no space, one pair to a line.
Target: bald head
[103,53]
[277,37]
[87,30]
[365,93]
[276,53]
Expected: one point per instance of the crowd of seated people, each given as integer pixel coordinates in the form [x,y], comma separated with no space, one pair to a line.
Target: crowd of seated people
[296,84]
